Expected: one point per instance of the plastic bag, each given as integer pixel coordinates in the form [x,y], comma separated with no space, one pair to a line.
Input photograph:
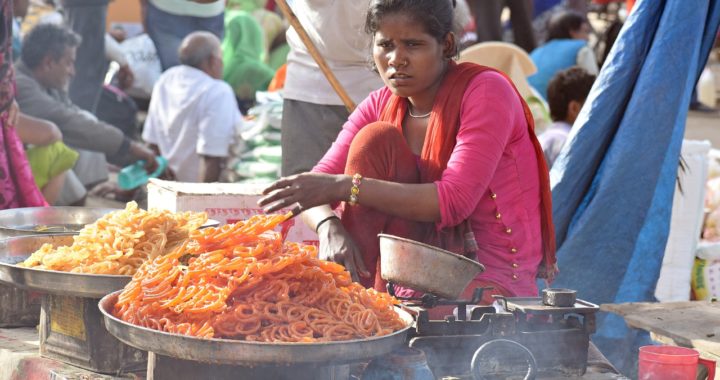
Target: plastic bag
[706,279]
[144,62]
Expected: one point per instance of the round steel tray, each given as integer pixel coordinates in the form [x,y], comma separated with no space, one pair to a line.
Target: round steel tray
[238,352]
[26,221]
[17,249]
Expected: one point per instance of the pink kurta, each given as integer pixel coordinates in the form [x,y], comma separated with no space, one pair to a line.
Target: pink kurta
[491,178]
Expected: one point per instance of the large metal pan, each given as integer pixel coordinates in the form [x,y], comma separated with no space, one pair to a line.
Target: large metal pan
[238,352]
[47,220]
[17,249]
[425,268]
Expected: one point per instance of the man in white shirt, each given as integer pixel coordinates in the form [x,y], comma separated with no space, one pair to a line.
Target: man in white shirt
[313,113]
[193,113]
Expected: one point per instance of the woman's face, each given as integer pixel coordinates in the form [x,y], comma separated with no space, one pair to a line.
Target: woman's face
[410,61]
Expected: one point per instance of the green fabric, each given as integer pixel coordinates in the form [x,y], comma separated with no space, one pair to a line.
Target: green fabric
[539,109]
[278,56]
[49,161]
[243,55]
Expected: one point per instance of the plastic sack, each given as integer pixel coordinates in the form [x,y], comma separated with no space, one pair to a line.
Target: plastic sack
[708,250]
[706,279]
[685,224]
[706,88]
[144,62]
[714,168]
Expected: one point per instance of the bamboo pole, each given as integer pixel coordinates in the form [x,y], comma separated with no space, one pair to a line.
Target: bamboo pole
[295,23]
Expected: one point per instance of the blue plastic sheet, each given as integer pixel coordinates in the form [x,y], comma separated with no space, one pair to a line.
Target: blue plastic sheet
[613,183]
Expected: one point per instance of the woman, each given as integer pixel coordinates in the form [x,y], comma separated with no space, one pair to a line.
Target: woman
[17,187]
[441,152]
[243,53]
[566,46]
[272,25]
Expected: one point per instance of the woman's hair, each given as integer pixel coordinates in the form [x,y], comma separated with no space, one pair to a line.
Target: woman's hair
[560,25]
[435,15]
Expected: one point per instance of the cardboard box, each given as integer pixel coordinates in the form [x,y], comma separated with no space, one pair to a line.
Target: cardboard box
[224,202]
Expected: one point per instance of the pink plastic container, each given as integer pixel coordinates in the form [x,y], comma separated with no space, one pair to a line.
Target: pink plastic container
[671,363]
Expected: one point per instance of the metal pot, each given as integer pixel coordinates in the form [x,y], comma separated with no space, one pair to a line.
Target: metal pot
[47,220]
[559,297]
[425,268]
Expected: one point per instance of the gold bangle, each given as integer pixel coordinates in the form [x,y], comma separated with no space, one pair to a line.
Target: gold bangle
[355,189]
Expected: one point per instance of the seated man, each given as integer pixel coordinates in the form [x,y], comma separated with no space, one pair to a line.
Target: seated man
[193,113]
[46,66]
[567,92]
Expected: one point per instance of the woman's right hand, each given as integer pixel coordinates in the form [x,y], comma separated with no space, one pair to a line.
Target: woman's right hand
[337,245]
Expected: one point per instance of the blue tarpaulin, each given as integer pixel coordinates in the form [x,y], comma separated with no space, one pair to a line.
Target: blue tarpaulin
[613,183]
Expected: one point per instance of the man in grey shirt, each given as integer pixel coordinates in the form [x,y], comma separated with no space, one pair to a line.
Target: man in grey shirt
[43,73]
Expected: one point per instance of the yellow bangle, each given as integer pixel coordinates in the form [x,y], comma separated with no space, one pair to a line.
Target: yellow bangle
[355,189]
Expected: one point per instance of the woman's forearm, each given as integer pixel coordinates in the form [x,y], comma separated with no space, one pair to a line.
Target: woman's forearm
[315,215]
[418,202]
[314,192]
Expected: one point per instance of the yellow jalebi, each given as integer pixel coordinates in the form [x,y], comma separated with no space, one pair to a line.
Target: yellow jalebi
[119,242]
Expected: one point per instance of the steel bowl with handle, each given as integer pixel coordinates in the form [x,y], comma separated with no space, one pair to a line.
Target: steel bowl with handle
[48,220]
[425,268]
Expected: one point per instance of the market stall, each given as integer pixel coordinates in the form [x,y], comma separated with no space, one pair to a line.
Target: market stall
[166,309]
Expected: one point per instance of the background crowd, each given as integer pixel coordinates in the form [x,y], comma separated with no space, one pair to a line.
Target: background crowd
[83,99]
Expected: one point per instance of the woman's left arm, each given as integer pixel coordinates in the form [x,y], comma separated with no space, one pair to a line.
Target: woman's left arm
[491,109]
[308,190]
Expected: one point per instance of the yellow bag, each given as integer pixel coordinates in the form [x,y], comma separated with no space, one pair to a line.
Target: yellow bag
[706,279]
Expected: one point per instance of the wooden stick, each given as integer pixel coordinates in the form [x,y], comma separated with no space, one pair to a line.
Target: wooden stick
[336,85]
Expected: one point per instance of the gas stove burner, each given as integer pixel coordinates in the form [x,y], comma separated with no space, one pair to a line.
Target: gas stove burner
[498,359]
[429,301]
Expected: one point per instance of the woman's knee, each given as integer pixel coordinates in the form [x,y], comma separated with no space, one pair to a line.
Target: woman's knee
[378,133]
[379,151]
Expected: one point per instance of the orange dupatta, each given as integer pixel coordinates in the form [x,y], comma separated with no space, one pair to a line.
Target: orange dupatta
[440,140]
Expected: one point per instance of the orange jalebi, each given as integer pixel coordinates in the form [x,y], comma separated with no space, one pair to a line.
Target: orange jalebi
[243,282]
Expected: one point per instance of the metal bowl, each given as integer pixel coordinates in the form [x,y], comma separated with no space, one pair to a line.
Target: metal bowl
[425,268]
[17,249]
[47,220]
[558,297]
[210,223]
[240,352]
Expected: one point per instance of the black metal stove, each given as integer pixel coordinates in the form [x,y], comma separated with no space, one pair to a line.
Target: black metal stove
[480,342]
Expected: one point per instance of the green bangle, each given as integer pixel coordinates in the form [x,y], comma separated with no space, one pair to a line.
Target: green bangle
[317,226]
